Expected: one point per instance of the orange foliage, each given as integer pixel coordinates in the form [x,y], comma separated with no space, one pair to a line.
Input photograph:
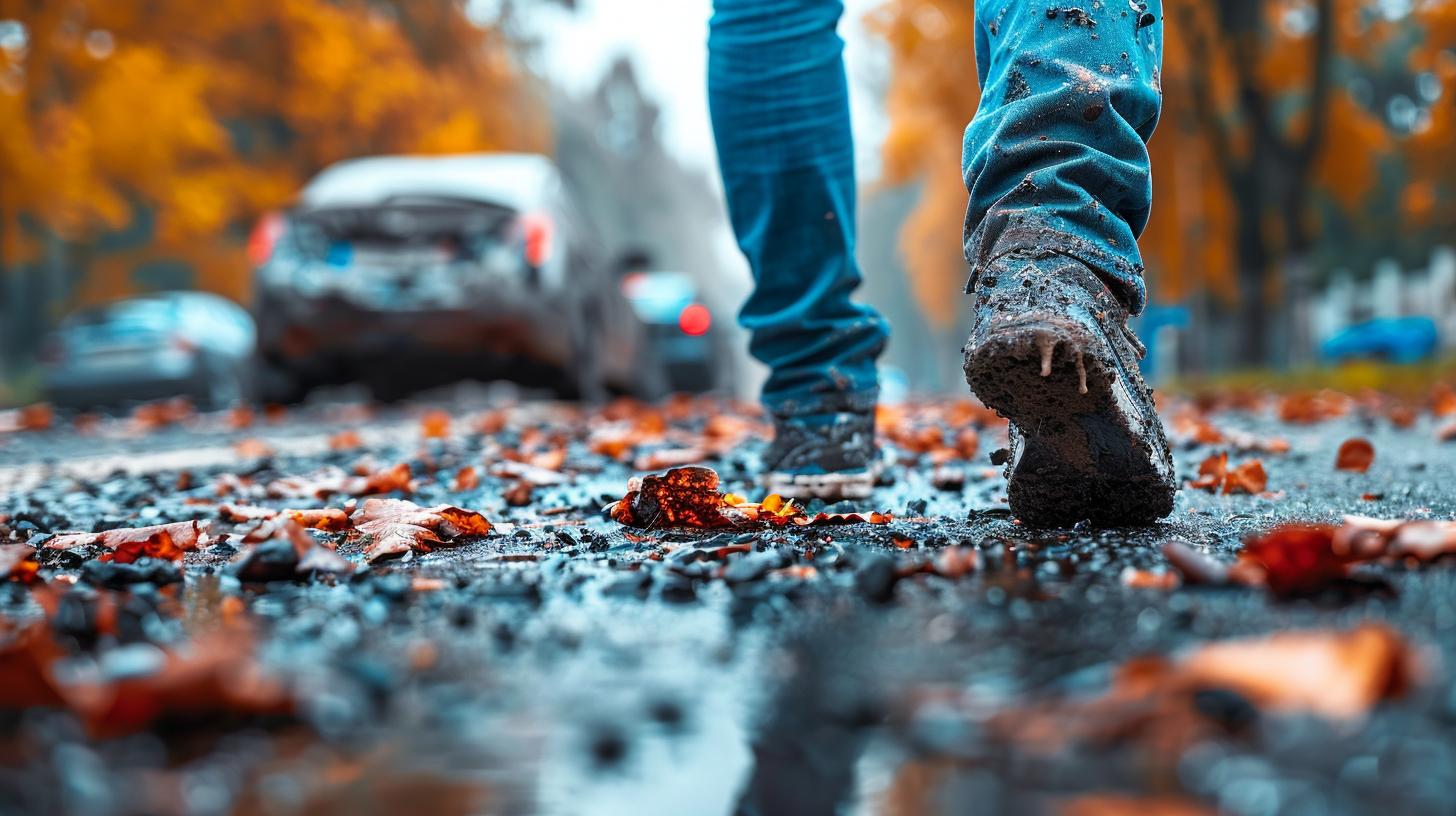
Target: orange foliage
[932,94]
[1190,238]
[177,123]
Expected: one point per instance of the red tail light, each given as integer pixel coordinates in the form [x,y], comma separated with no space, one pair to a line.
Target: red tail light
[695,319]
[264,238]
[538,231]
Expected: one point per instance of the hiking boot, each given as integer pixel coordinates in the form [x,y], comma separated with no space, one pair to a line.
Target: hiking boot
[1052,353]
[824,456]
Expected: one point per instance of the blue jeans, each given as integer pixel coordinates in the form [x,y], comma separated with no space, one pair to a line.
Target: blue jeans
[1056,156]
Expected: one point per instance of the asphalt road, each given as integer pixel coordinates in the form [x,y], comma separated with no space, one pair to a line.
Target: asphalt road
[567,663]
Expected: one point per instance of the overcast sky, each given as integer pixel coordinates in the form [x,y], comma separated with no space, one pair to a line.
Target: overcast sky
[667,39]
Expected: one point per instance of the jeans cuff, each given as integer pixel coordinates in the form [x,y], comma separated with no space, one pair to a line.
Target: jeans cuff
[837,402]
[995,237]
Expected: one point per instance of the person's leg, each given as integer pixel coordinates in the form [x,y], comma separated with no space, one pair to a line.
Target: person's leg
[780,111]
[1056,165]
[1059,142]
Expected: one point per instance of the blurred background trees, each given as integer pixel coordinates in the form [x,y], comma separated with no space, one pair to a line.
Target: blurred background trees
[142,140]
[1297,136]
[1305,145]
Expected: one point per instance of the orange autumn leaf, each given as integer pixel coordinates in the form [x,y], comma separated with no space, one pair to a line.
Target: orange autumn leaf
[17,563]
[1292,559]
[332,481]
[1214,475]
[252,448]
[37,417]
[1355,455]
[1116,804]
[345,441]
[395,527]
[1335,674]
[328,519]
[239,417]
[689,497]
[1248,477]
[127,544]
[435,425]
[467,478]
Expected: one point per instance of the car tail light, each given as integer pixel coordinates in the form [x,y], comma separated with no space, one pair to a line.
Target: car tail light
[695,319]
[537,231]
[265,237]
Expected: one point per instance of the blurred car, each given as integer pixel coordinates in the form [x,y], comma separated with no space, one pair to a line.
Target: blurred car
[679,327]
[406,271]
[163,345]
[1393,339]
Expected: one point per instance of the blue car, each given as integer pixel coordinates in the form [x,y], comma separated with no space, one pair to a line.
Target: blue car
[1393,339]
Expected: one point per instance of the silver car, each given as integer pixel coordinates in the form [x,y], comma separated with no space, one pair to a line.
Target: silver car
[408,271]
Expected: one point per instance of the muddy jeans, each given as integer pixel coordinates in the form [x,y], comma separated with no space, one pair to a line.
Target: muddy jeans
[1055,155]
[780,107]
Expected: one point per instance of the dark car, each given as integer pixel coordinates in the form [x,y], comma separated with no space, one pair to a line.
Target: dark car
[164,345]
[405,271]
[680,328]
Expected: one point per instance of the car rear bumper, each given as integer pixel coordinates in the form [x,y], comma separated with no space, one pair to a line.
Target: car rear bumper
[79,392]
[302,329]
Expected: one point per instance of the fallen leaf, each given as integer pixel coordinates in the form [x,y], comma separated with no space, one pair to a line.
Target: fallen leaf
[1248,477]
[1194,566]
[127,544]
[537,476]
[1307,408]
[682,497]
[281,549]
[345,441]
[689,497]
[435,425]
[1401,416]
[332,481]
[1118,804]
[519,494]
[1355,455]
[467,478]
[1214,475]
[239,417]
[1292,559]
[252,449]
[37,417]
[328,519]
[152,416]
[1144,579]
[17,563]
[1336,674]
[395,527]
[957,561]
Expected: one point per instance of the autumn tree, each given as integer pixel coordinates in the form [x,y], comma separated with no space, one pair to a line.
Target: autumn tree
[143,139]
[1257,144]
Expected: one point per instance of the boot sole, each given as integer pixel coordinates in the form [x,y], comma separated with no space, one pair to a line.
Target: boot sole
[828,486]
[1082,455]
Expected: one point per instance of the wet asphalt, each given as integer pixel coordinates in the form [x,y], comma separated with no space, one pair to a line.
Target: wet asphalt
[567,664]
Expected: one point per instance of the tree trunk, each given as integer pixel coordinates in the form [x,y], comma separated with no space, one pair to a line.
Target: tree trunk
[1253,263]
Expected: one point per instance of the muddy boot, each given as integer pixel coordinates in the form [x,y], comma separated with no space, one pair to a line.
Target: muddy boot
[829,456]
[1051,352]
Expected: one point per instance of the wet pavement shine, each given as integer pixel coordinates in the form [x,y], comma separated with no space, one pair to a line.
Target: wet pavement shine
[944,660]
